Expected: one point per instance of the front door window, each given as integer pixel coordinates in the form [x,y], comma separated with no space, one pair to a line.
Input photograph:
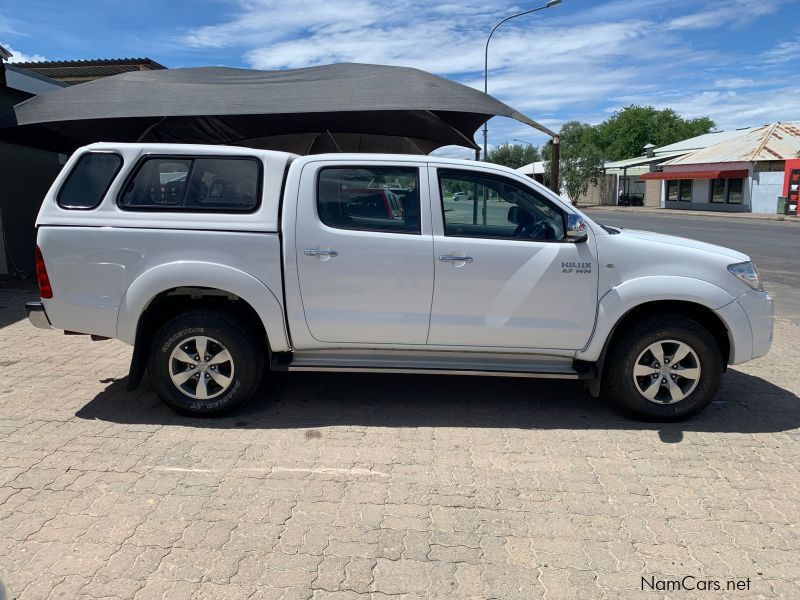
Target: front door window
[486,206]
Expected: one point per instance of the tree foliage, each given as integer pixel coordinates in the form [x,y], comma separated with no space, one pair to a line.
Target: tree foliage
[624,134]
[513,155]
[581,160]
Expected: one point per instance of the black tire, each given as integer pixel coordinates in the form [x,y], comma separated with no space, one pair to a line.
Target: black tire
[618,381]
[245,367]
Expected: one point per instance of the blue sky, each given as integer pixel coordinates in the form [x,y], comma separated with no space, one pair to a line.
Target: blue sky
[736,61]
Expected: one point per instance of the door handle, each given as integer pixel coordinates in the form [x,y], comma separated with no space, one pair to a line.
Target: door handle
[318,252]
[448,258]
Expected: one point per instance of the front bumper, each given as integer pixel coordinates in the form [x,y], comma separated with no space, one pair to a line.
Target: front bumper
[749,323]
[37,315]
[758,307]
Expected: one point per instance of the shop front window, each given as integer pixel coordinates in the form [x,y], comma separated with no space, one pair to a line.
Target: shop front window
[673,187]
[686,190]
[735,191]
[718,191]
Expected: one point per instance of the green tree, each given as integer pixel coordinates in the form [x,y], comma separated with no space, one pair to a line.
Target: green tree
[513,155]
[625,133]
[581,160]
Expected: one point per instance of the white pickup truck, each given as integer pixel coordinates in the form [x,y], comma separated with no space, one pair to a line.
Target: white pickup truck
[218,262]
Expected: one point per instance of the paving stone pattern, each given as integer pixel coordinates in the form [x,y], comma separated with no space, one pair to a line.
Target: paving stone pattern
[343,486]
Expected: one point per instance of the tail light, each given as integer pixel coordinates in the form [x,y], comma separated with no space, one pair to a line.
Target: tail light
[45,291]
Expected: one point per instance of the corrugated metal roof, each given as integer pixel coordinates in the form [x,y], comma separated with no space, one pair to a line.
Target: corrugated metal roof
[84,70]
[711,174]
[20,82]
[640,164]
[778,141]
[640,160]
[699,141]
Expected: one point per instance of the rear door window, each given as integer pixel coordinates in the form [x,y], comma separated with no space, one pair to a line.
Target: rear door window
[89,180]
[194,184]
[370,198]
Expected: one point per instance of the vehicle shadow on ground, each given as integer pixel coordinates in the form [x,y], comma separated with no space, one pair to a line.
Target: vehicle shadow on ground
[13,296]
[745,404]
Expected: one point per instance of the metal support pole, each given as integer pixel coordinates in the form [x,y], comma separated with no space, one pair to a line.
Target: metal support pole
[555,158]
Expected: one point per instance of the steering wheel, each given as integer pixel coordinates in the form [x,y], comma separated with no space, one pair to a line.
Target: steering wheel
[526,226]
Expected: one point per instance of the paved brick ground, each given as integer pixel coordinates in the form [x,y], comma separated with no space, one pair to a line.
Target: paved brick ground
[378,486]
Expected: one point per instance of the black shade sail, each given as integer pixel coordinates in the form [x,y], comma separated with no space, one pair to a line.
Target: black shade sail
[343,107]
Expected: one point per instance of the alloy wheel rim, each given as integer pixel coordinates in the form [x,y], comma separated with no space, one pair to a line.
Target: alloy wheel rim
[201,367]
[667,371]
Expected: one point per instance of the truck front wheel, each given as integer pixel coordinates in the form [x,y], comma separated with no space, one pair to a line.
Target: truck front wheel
[666,368]
[204,363]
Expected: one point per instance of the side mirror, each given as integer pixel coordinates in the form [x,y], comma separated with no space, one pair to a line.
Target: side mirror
[514,215]
[576,229]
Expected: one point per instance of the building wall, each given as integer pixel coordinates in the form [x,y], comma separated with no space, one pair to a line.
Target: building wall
[701,190]
[3,259]
[766,187]
[602,192]
[652,192]
[26,175]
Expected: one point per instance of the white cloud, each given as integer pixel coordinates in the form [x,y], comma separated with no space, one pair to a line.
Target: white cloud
[782,52]
[21,56]
[732,109]
[7,27]
[734,83]
[738,12]
[555,65]
[266,21]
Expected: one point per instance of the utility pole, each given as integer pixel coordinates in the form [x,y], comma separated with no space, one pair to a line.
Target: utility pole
[486,63]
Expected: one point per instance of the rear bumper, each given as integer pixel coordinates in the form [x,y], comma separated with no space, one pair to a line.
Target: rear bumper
[37,315]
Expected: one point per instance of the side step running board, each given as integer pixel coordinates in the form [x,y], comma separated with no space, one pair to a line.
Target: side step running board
[531,374]
[486,366]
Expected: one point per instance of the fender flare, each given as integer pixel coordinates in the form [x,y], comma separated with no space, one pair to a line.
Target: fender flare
[621,299]
[166,276]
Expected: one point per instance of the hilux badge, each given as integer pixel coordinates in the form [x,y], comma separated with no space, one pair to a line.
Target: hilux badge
[576,267]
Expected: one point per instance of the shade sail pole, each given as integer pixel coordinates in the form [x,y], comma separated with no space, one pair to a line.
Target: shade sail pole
[150,128]
[410,141]
[470,143]
[333,139]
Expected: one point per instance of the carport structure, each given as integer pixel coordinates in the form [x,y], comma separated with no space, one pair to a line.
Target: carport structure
[333,108]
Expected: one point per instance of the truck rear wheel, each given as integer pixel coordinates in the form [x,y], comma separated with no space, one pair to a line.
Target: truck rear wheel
[204,363]
[666,368]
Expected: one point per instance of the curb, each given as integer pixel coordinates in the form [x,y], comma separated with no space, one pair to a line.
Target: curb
[693,213]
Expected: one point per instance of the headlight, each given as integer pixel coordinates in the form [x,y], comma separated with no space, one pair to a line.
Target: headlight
[747,272]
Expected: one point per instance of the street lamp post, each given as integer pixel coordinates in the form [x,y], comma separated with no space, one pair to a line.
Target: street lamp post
[486,63]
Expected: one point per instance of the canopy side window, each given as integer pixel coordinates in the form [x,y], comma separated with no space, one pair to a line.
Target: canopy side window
[194,184]
[89,180]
